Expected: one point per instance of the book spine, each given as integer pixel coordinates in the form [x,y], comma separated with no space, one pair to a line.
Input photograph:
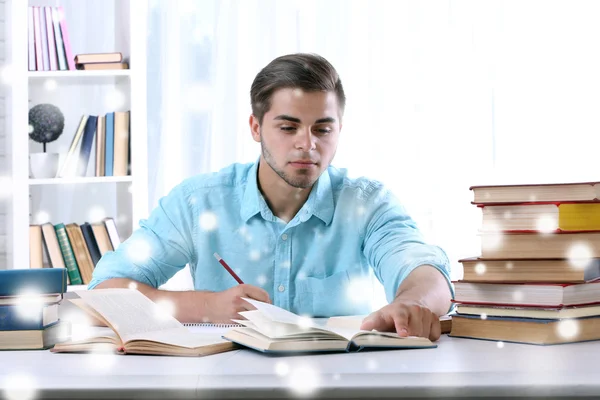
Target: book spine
[44,38]
[31,39]
[113,234]
[100,144]
[82,255]
[35,247]
[39,62]
[90,241]
[60,49]
[121,143]
[65,37]
[51,41]
[12,318]
[68,255]
[110,142]
[86,145]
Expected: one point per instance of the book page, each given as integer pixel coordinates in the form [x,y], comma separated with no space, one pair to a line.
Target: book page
[130,313]
[348,321]
[278,330]
[278,314]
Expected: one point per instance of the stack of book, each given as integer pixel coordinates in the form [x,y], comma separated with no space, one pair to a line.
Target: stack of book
[102,144]
[97,61]
[48,40]
[76,248]
[29,317]
[537,279]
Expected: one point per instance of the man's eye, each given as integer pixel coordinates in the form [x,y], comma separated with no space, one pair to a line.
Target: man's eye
[287,128]
[323,131]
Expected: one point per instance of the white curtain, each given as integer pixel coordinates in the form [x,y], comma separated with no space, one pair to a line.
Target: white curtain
[441,95]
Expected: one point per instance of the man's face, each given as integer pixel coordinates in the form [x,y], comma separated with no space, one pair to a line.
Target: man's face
[299,134]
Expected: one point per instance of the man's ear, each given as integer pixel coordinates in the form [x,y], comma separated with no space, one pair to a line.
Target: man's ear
[254,128]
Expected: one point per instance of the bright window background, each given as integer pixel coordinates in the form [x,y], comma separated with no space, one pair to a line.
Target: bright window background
[441,95]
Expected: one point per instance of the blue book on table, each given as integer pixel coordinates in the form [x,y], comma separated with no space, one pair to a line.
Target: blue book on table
[26,317]
[44,281]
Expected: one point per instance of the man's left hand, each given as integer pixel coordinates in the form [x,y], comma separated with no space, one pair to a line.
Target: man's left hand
[407,318]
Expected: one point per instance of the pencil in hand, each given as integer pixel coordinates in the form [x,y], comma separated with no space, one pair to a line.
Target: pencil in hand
[224,264]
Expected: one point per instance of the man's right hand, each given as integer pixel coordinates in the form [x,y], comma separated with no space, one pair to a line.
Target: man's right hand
[224,306]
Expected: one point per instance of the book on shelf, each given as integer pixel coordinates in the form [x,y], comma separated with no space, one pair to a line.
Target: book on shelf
[271,329]
[545,217]
[93,58]
[139,326]
[478,269]
[82,254]
[49,47]
[76,248]
[102,66]
[547,192]
[100,145]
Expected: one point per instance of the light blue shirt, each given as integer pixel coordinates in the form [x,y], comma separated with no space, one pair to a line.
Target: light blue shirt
[317,264]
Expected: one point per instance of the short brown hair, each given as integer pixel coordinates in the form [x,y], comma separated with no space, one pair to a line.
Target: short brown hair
[309,72]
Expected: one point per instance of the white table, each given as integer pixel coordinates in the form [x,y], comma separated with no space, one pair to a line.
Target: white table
[457,368]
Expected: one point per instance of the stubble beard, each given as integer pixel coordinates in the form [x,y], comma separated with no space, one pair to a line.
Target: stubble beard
[302,182]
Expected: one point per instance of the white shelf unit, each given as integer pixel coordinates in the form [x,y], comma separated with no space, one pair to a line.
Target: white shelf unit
[94,26]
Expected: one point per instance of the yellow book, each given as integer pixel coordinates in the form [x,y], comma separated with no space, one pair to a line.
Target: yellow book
[541,217]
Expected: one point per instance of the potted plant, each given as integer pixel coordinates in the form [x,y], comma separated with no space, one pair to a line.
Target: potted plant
[46,124]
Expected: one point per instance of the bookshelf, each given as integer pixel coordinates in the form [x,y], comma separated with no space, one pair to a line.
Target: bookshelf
[94,26]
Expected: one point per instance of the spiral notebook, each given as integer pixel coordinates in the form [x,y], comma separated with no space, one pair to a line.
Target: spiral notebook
[207,327]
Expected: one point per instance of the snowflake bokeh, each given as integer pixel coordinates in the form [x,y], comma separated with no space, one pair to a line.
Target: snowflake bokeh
[50,84]
[102,359]
[138,250]
[164,309]
[18,386]
[254,255]
[480,268]
[568,329]
[261,280]
[115,99]
[282,368]
[579,255]
[304,380]
[208,221]
[42,217]
[546,223]
[96,214]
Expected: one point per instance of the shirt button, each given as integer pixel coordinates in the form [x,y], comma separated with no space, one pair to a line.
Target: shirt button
[284,236]
[281,288]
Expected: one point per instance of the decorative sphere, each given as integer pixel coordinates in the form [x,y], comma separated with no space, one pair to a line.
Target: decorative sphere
[46,123]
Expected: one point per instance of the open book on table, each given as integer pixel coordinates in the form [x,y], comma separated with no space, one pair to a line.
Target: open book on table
[271,329]
[140,326]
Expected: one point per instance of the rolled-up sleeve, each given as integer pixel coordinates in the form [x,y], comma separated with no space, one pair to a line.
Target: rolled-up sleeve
[394,246]
[159,248]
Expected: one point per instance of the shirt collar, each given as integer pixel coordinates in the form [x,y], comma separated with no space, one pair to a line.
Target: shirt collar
[319,202]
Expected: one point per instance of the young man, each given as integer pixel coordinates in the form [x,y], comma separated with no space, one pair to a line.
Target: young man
[297,231]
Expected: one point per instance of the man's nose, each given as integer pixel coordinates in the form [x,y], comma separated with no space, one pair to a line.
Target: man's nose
[305,140]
